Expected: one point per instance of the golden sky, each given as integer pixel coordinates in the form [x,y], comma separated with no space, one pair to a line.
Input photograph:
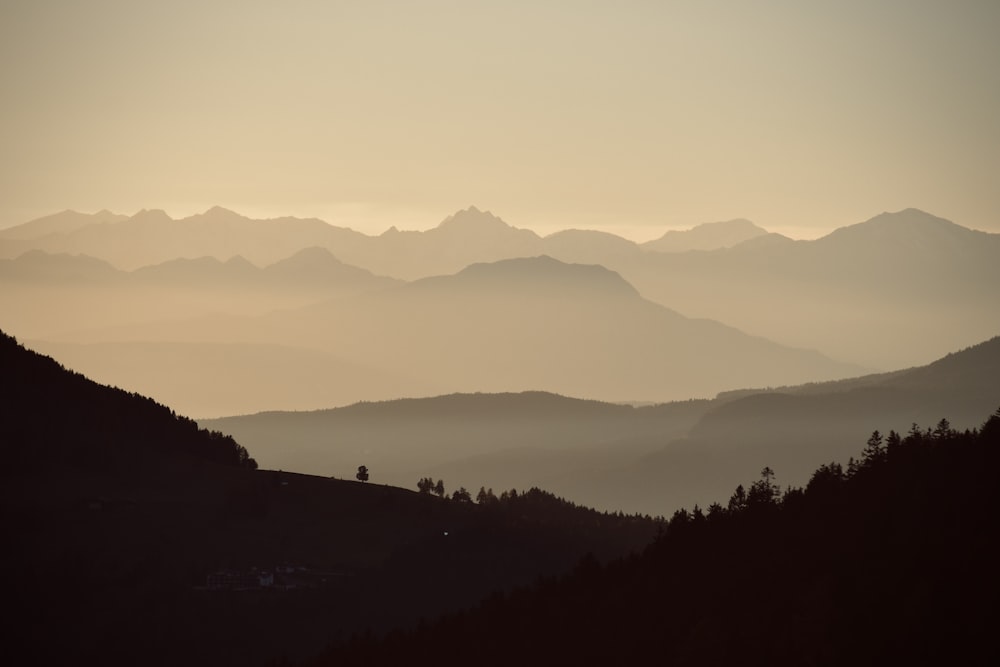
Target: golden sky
[628,116]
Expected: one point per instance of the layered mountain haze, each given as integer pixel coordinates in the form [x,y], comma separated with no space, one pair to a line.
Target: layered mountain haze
[742,429]
[634,325]
[502,441]
[898,290]
[492,292]
[466,237]
[707,236]
[639,459]
[153,237]
[847,295]
[531,323]
[61,296]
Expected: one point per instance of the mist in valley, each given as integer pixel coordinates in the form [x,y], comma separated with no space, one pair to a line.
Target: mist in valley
[345,328]
[216,336]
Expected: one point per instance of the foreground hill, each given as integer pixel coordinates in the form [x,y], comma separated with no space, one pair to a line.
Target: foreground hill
[120,511]
[649,459]
[891,562]
[55,419]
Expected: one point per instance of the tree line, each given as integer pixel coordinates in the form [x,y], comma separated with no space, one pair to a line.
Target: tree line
[890,559]
[56,417]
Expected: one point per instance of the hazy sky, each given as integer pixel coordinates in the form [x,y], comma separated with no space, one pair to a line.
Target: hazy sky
[799,115]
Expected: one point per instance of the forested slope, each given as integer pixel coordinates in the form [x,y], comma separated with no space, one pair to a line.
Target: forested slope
[888,560]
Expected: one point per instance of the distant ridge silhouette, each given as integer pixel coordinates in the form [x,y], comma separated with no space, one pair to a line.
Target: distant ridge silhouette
[707,236]
[619,457]
[512,325]
[844,294]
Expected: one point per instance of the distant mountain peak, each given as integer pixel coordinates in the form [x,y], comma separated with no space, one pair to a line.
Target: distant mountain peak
[472,217]
[545,271]
[151,215]
[707,236]
[219,214]
[908,222]
[908,216]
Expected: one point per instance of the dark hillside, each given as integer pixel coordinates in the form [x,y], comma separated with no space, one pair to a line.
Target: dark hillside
[53,419]
[124,519]
[889,561]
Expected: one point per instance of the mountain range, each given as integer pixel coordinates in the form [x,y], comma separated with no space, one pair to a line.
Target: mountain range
[649,459]
[53,296]
[628,377]
[848,294]
[527,323]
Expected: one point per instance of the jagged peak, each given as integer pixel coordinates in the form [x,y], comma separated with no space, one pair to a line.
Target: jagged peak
[151,215]
[473,217]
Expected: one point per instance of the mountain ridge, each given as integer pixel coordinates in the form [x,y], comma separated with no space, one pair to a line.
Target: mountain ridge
[649,459]
[707,236]
[870,277]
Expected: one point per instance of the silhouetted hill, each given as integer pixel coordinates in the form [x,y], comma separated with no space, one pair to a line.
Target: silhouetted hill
[119,511]
[56,419]
[707,236]
[891,561]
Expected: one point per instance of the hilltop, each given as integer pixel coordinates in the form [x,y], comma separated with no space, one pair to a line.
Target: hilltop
[121,511]
[891,559]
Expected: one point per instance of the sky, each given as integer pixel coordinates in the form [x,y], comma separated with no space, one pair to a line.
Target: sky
[633,116]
